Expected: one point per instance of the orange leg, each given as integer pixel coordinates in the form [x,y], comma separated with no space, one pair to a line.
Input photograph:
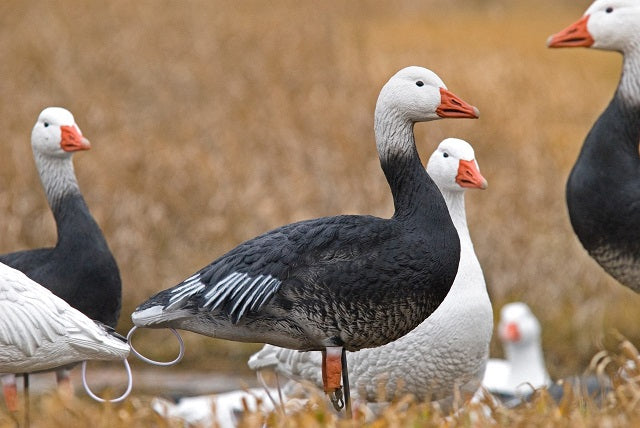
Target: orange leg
[331,368]
[10,389]
[65,388]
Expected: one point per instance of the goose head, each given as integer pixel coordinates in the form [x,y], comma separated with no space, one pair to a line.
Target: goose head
[56,134]
[416,94]
[607,24]
[518,325]
[453,167]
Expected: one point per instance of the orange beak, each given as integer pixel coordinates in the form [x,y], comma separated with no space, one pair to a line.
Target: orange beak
[453,107]
[510,332]
[71,139]
[575,35]
[469,175]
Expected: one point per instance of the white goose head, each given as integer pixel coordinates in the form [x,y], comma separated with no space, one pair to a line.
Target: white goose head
[56,134]
[417,94]
[518,326]
[607,24]
[453,167]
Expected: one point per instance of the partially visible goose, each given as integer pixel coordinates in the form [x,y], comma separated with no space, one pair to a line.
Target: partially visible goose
[446,351]
[514,380]
[524,367]
[603,190]
[337,283]
[39,331]
[80,268]
[224,410]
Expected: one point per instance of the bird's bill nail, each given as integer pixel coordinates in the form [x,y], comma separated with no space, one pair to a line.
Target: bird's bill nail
[71,140]
[469,175]
[575,35]
[452,106]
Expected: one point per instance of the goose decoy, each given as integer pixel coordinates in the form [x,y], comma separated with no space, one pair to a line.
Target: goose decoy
[524,368]
[514,380]
[340,283]
[603,190]
[80,269]
[39,331]
[446,351]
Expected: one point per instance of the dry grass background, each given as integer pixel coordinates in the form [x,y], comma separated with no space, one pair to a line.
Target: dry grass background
[214,121]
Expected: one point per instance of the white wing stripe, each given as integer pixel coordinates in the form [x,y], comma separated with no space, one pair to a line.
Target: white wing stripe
[189,287]
[221,293]
[251,288]
[220,284]
[242,290]
[187,291]
[266,292]
[244,287]
[250,301]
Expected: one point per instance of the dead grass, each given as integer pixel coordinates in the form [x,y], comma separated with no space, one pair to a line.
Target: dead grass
[214,121]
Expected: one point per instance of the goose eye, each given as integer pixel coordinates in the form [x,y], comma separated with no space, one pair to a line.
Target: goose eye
[46,124]
[445,154]
[609,10]
[420,83]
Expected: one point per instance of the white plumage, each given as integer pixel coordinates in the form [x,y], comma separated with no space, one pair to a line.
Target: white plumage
[40,331]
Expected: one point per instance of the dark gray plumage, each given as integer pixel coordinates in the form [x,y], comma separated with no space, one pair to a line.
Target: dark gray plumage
[347,281]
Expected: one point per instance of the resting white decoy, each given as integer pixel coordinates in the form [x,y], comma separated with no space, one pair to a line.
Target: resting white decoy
[449,349]
[222,410]
[515,379]
[524,368]
[39,331]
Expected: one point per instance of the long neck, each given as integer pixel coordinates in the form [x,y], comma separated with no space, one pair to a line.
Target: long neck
[411,186]
[455,204]
[612,143]
[629,86]
[527,364]
[63,194]
[58,178]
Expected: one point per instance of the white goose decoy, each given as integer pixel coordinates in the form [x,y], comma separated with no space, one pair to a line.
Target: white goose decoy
[603,189]
[39,331]
[524,368]
[222,410]
[446,351]
[340,283]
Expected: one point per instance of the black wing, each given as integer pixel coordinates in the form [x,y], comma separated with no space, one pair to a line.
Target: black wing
[247,277]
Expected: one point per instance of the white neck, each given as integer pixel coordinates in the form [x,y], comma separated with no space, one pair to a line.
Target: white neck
[57,176]
[393,133]
[629,87]
[456,206]
[527,365]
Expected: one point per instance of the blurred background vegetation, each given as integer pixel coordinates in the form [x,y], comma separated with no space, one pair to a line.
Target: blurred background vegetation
[214,121]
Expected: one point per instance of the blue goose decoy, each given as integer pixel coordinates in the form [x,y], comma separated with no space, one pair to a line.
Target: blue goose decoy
[444,357]
[80,269]
[603,190]
[337,283]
